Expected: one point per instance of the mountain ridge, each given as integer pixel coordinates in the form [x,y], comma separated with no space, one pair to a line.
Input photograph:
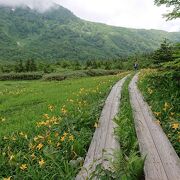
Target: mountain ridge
[58,34]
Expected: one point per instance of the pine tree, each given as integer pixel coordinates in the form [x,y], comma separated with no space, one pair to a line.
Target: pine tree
[164,53]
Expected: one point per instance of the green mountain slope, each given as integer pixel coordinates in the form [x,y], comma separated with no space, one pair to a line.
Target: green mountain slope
[59,34]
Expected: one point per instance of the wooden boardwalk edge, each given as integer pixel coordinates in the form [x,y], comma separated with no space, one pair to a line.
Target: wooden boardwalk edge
[104,141]
[162,162]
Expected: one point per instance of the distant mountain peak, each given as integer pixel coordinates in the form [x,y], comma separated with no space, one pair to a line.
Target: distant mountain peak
[57,33]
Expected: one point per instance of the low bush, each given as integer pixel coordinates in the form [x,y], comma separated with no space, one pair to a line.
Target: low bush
[101,72]
[78,74]
[20,76]
[54,77]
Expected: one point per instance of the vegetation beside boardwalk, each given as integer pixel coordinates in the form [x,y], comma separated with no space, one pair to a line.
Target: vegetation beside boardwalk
[129,163]
[46,125]
[161,89]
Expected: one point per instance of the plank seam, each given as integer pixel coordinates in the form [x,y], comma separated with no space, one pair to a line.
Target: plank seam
[152,137]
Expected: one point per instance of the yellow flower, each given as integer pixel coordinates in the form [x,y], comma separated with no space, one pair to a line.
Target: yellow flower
[23,167]
[71,100]
[13,138]
[49,141]
[157,113]
[175,125]
[56,134]
[46,116]
[40,137]
[3,119]
[62,138]
[33,156]
[65,134]
[31,146]
[71,138]
[41,162]
[23,134]
[35,139]
[11,157]
[63,110]
[96,125]
[5,138]
[39,146]
[158,122]
[8,178]
[150,91]
[166,106]
[50,107]
[58,144]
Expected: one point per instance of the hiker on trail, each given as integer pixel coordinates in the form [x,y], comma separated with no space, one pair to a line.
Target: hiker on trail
[135,66]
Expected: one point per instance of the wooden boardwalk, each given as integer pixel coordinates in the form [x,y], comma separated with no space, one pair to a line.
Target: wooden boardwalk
[104,142]
[162,162]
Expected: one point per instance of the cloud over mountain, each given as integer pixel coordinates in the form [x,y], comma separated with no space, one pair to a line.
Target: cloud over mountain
[41,5]
[133,14]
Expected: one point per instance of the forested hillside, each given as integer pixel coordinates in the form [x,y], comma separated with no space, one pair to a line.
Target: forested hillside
[59,34]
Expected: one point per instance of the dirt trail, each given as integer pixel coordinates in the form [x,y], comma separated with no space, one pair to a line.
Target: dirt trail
[162,162]
[104,141]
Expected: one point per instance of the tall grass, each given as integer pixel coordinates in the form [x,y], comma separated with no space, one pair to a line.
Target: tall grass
[45,125]
[161,89]
[129,163]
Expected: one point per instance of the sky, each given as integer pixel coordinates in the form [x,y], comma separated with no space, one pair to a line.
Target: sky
[141,14]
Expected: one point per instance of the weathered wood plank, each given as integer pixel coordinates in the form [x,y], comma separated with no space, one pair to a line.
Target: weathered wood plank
[162,162]
[104,141]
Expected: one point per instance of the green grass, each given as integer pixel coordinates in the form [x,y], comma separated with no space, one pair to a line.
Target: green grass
[44,125]
[161,90]
[129,163]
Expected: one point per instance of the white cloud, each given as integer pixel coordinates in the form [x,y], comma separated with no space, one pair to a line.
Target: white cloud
[35,4]
[126,13]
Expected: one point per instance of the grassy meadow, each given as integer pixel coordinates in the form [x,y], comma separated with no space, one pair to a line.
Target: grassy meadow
[46,127]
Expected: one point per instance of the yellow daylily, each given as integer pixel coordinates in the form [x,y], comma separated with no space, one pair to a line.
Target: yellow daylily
[62,138]
[41,162]
[175,125]
[71,138]
[8,178]
[23,167]
[39,146]
[33,156]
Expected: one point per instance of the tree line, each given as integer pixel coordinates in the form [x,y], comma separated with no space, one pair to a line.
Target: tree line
[166,52]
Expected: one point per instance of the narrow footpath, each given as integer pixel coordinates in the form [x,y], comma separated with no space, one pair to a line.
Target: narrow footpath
[104,142]
[162,162]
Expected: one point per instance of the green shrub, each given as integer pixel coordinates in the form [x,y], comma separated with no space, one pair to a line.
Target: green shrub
[20,76]
[54,77]
[101,72]
[78,74]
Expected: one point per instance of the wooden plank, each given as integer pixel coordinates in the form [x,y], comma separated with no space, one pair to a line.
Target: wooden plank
[162,162]
[104,141]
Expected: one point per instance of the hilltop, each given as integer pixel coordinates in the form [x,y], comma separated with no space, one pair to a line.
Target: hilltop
[58,34]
